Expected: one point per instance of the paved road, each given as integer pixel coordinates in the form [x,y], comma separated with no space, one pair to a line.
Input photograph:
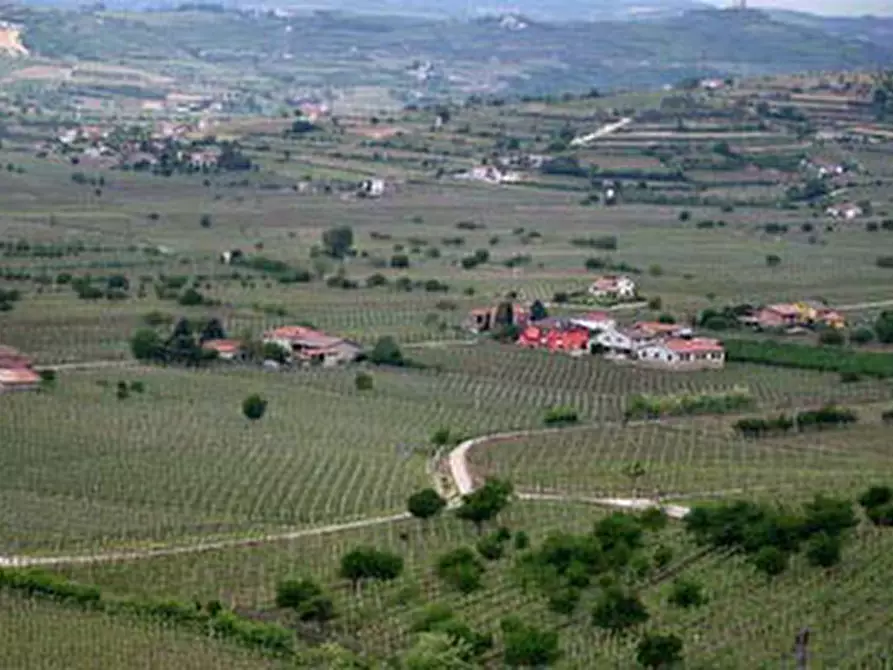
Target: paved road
[601,132]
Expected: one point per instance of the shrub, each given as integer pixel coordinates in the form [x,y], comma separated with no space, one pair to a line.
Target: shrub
[654,406]
[365,563]
[425,504]
[884,262]
[564,600]
[771,561]
[521,541]
[191,298]
[862,335]
[399,261]
[254,407]
[684,215]
[528,646]
[659,651]
[824,550]
[876,496]
[617,611]
[306,598]
[461,569]
[832,337]
[363,381]
[772,260]
[655,303]
[387,352]
[663,556]
[491,546]
[687,593]
[561,415]
[486,502]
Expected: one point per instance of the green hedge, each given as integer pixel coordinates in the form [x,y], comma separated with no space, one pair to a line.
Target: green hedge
[269,638]
[644,406]
[806,357]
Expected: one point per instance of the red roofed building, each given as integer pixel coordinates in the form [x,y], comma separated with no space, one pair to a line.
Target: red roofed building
[648,329]
[18,379]
[227,350]
[683,353]
[312,346]
[556,337]
[13,358]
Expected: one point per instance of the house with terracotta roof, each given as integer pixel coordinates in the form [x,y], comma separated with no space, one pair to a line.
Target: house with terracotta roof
[11,357]
[227,350]
[555,335]
[613,287]
[307,345]
[644,330]
[680,353]
[18,379]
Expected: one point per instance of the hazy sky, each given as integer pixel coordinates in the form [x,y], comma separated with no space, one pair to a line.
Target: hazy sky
[832,7]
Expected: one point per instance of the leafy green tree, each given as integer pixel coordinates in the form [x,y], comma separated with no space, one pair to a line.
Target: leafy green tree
[833,516]
[687,593]
[619,528]
[254,407]
[485,503]
[337,241]
[491,546]
[663,556]
[528,646]
[659,651]
[618,611]
[365,563]
[876,496]
[425,504]
[306,598]
[363,381]
[538,311]
[212,329]
[386,352]
[147,345]
[271,351]
[462,569]
[824,550]
[883,327]
[771,561]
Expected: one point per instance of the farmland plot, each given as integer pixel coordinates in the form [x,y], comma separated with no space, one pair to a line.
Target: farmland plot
[695,460]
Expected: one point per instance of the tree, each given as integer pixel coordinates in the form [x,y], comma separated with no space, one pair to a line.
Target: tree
[618,611]
[486,502]
[876,496]
[538,311]
[370,563]
[528,646]
[147,345]
[462,569]
[363,381]
[883,327]
[635,472]
[824,550]
[505,315]
[831,337]
[771,561]
[425,504]
[824,514]
[337,241]
[437,651]
[205,221]
[659,651]
[687,593]
[254,407]
[386,352]
[306,598]
[212,329]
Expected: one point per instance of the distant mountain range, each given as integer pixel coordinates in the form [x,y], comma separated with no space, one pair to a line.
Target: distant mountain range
[505,53]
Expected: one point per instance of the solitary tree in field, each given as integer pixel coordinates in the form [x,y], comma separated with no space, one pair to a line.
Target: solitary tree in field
[386,352]
[485,503]
[425,504]
[618,611]
[659,651]
[337,241]
[254,407]
[366,563]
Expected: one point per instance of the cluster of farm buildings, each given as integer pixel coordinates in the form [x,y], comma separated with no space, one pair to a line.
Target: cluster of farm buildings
[667,345]
[16,371]
[649,343]
[299,345]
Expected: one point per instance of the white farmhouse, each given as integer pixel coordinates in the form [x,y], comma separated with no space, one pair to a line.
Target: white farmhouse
[613,287]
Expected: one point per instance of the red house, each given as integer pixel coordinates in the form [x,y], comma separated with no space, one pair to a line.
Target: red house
[555,338]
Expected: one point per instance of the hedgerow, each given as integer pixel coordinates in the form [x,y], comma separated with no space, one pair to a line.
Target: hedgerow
[805,357]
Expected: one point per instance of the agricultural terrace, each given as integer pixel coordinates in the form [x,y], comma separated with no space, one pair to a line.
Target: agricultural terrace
[706,200]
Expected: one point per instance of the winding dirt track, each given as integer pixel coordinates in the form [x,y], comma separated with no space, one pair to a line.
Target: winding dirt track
[462,483]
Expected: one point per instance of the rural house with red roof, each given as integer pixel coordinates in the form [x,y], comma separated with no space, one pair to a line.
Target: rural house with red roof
[307,345]
[681,353]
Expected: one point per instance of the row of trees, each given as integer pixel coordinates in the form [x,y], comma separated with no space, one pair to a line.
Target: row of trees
[829,415]
[807,357]
[183,345]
